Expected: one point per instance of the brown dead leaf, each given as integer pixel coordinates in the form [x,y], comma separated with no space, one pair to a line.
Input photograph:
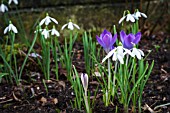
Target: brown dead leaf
[55,100]
[43,100]
[62,83]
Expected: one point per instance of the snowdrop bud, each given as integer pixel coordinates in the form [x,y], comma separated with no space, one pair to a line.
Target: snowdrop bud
[84,80]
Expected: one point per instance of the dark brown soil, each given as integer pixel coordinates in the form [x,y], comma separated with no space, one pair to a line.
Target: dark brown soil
[31,97]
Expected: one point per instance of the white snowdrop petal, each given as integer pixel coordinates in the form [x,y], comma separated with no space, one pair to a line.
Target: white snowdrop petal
[120,21]
[14,29]
[129,52]
[138,14]
[64,26]
[42,22]
[9,2]
[109,55]
[10,27]
[54,20]
[47,21]
[141,52]
[6,30]
[137,53]
[114,58]
[120,59]
[70,26]
[76,26]
[16,1]
[144,15]
[131,18]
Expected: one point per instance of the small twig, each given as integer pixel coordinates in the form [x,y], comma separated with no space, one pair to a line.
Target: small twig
[22,52]
[162,105]
[150,109]
[6,101]
[15,97]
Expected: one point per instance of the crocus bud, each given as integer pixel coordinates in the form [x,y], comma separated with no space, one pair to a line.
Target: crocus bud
[84,80]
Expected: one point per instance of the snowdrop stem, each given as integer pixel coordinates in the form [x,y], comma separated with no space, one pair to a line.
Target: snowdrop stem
[109,74]
[114,78]
[127,59]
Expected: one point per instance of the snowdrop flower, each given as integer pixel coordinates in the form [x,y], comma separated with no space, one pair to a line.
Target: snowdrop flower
[55,32]
[15,1]
[84,80]
[129,17]
[106,40]
[3,8]
[137,52]
[70,25]
[129,40]
[47,20]
[46,34]
[138,14]
[10,27]
[117,54]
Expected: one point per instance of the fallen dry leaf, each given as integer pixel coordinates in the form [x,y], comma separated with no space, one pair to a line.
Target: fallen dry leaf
[43,100]
[55,100]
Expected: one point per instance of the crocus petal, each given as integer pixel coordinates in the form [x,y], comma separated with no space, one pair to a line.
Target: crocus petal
[109,55]
[103,33]
[128,41]
[137,37]
[100,42]
[144,15]
[120,21]
[84,80]
[113,40]
[76,26]
[122,36]
[106,40]
[64,26]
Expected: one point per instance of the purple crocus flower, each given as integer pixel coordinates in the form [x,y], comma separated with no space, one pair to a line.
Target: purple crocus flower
[106,40]
[129,40]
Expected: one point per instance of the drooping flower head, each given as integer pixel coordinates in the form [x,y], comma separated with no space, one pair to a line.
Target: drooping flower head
[129,40]
[139,14]
[47,20]
[70,25]
[55,32]
[128,16]
[15,2]
[84,80]
[3,8]
[10,27]
[106,40]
